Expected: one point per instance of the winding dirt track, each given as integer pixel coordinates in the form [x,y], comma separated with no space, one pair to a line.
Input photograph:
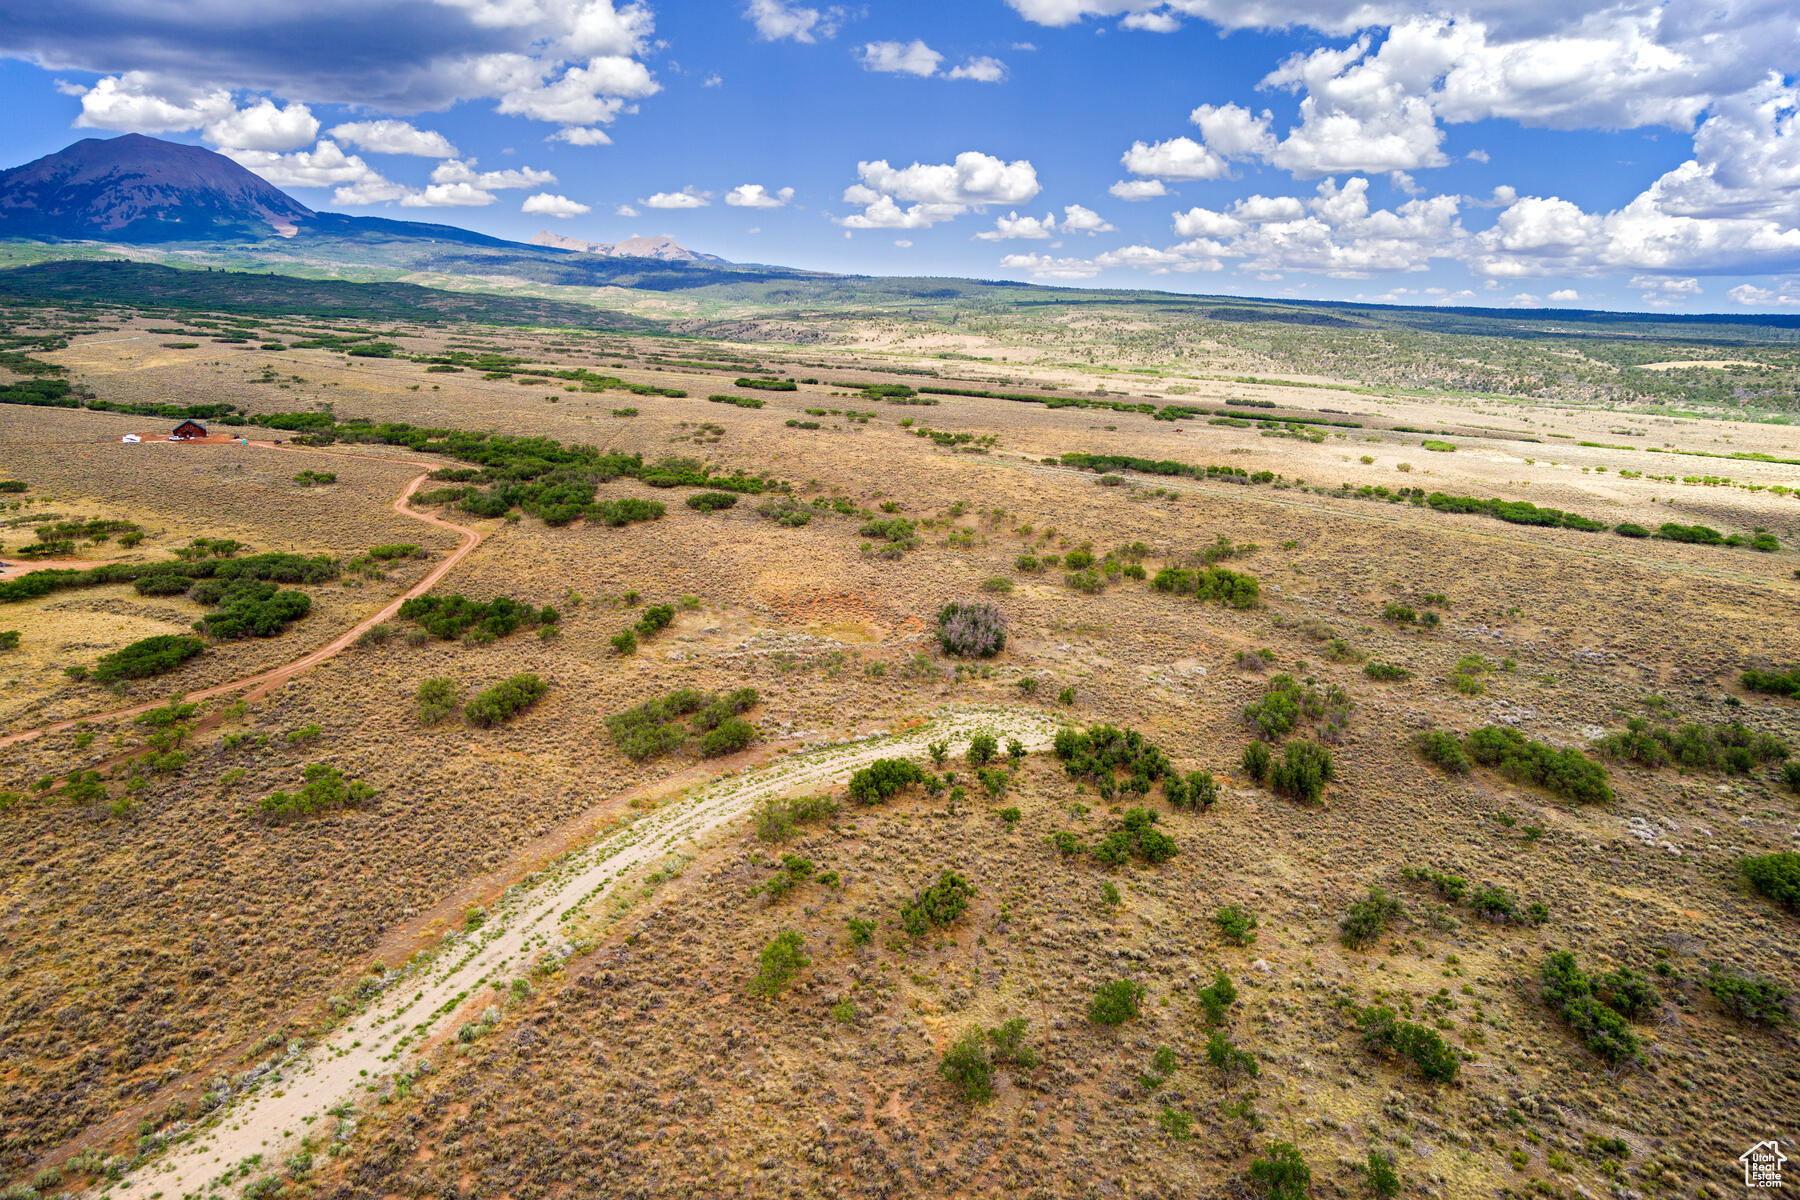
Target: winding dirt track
[261,684]
[356,1061]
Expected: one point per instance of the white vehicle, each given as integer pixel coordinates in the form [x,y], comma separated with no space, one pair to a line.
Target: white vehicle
[131,437]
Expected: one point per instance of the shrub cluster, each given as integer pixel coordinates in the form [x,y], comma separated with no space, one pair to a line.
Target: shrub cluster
[1233,589]
[1116,1003]
[1367,919]
[938,905]
[1287,703]
[505,700]
[653,728]
[251,608]
[325,790]
[1102,753]
[1302,771]
[969,1064]
[455,616]
[884,778]
[1757,999]
[1775,682]
[1137,836]
[1198,790]
[1586,1003]
[1384,1033]
[971,629]
[1566,773]
[777,820]
[156,655]
[711,501]
[1730,747]
[1776,876]
[782,959]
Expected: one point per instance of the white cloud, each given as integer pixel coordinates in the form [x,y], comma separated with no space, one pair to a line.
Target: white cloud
[456,171]
[1565,296]
[581,135]
[588,95]
[375,190]
[936,191]
[1077,219]
[625,210]
[325,165]
[1042,266]
[1206,223]
[1788,295]
[263,126]
[551,205]
[777,19]
[754,195]
[1138,189]
[448,195]
[901,58]
[1156,21]
[1177,158]
[1234,131]
[135,102]
[1012,225]
[903,243]
[394,137]
[982,69]
[688,197]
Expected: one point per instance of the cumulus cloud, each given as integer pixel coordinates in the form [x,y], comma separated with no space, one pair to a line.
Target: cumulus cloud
[1565,296]
[776,20]
[688,197]
[625,210]
[1179,158]
[983,69]
[900,58]
[449,195]
[263,126]
[1139,189]
[549,204]
[135,103]
[455,171]
[394,137]
[580,135]
[1077,219]
[1012,225]
[325,165]
[755,195]
[1043,266]
[1785,295]
[935,192]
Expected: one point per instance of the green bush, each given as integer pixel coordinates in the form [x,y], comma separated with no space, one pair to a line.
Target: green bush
[325,790]
[967,1066]
[1218,996]
[1385,1033]
[505,700]
[437,699]
[453,616]
[1115,1003]
[1776,876]
[1256,761]
[1631,530]
[1776,682]
[727,737]
[156,655]
[883,778]
[9,639]
[1302,771]
[938,905]
[1443,750]
[1567,773]
[1753,998]
[1367,919]
[781,960]
[712,501]
[1237,924]
[1570,993]
[1103,752]
[1281,1174]
[162,585]
[254,608]
[1137,835]
[1379,1173]
[1199,790]
[629,509]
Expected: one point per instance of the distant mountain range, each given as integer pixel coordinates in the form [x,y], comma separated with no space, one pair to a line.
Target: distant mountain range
[663,249]
[143,190]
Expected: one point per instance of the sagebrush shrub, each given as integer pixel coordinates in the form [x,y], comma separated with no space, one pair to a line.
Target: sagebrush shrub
[971,629]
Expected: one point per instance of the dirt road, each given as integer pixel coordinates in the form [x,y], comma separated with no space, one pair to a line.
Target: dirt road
[255,687]
[383,1040]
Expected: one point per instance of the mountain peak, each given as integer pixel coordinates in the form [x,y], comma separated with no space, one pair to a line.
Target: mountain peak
[142,189]
[665,248]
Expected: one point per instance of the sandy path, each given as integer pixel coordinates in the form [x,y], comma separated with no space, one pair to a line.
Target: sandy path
[259,685]
[383,1040]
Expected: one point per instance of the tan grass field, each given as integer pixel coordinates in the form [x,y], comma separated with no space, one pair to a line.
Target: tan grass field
[146,957]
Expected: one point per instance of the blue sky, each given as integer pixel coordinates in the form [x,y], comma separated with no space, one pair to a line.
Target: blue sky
[1497,152]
